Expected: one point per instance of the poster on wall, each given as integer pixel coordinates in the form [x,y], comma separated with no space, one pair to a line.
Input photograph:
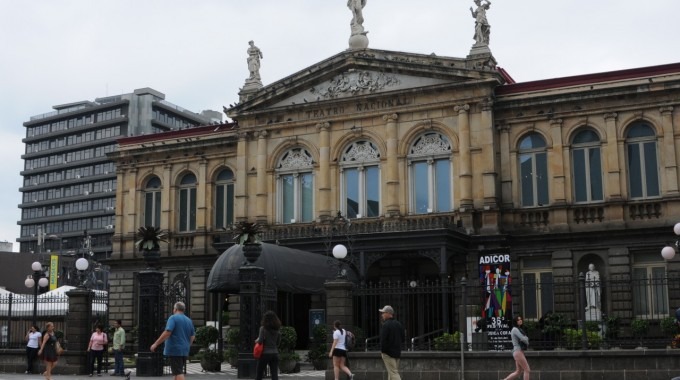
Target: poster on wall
[496,308]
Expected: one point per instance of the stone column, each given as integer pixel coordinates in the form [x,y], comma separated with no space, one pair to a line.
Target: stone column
[506,167]
[611,152]
[669,152]
[486,131]
[556,159]
[262,194]
[77,332]
[202,215]
[392,175]
[166,195]
[240,186]
[251,279]
[324,171]
[149,323]
[339,304]
[465,167]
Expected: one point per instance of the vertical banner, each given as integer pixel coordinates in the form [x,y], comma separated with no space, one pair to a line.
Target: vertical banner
[316,317]
[54,271]
[494,276]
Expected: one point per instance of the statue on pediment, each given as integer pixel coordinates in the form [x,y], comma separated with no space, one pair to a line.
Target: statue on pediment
[357,23]
[254,55]
[482,27]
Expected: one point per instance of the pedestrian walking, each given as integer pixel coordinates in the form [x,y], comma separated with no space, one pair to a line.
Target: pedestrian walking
[32,347]
[95,348]
[48,350]
[179,334]
[520,342]
[270,337]
[339,352]
[392,337]
[118,347]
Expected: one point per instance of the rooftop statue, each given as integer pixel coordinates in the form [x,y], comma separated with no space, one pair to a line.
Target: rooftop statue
[482,27]
[357,23]
[254,55]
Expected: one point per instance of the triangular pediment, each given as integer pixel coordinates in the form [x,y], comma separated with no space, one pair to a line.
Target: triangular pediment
[352,74]
[358,82]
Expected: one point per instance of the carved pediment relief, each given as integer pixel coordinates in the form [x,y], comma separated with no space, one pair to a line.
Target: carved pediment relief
[360,82]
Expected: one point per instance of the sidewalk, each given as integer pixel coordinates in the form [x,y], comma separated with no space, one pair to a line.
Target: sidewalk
[193,372]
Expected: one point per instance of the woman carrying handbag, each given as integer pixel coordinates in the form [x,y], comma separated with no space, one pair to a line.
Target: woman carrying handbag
[270,336]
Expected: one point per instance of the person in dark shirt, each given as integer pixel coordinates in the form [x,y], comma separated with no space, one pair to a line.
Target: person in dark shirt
[392,337]
[270,336]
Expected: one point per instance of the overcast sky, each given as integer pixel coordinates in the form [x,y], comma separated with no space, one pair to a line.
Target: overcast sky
[57,51]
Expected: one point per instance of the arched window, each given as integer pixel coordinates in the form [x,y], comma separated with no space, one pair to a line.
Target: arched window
[430,163]
[360,180]
[643,169]
[587,167]
[224,199]
[187,203]
[296,186]
[152,202]
[533,170]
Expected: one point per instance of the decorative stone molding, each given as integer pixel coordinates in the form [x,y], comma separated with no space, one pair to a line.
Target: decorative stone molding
[611,115]
[462,108]
[391,117]
[262,134]
[355,83]
[324,126]
[666,110]
[556,122]
[296,159]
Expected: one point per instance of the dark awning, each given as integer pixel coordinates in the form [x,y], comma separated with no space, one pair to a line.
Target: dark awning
[289,270]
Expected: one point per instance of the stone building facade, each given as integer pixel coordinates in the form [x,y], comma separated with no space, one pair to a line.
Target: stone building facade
[436,161]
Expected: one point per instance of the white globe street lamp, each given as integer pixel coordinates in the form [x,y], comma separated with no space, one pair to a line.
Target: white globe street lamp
[668,252]
[81,265]
[36,281]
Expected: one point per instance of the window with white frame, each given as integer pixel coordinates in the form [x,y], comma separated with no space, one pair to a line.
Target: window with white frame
[224,199]
[650,289]
[431,177]
[296,186]
[187,203]
[360,180]
[587,167]
[533,170]
[537,288]
[152,202]
[643,169]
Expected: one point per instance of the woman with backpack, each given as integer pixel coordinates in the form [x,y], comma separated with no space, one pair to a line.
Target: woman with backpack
[339,351]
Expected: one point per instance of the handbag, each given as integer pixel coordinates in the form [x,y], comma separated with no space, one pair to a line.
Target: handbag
[257,350]
[58,348]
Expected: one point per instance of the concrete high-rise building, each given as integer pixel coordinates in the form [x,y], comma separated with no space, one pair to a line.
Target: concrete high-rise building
[69,187]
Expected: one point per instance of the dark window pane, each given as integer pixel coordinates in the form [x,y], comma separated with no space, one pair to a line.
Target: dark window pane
[580,182]
[596,191]
[420,187]
[634,171]
[651,169]
[443,185]
[352,192]
[372,191]
[307,200]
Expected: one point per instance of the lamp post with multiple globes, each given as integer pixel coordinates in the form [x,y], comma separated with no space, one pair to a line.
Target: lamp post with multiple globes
[668,252]
[36,280]
[81,265]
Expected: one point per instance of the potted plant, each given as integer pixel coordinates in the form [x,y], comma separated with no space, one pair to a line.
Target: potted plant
[318,353]
[233,340]
[210,358]
[247,235]
[553,326]
[447,342]
[640,327]
[148,241]
[669,328]
[288,359]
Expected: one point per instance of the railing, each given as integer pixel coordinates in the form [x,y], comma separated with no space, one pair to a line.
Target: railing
[16,314]
[371,339]
[429,341]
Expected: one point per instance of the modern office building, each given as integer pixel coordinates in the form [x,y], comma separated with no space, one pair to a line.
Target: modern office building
[69,188]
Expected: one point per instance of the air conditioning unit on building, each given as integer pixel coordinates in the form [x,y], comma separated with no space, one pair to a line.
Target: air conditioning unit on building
[78,176]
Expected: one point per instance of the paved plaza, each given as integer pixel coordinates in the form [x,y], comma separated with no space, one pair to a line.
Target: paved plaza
[193,372]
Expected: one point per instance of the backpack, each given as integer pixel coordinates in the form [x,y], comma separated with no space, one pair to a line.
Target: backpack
[350,340]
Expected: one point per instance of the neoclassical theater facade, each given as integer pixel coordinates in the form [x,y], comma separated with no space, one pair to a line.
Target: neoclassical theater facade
[436,162]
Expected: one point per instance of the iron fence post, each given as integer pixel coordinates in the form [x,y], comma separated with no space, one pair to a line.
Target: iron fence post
[582,287]
[463,285]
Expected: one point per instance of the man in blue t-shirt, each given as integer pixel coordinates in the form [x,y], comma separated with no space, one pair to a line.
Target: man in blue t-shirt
[179,334]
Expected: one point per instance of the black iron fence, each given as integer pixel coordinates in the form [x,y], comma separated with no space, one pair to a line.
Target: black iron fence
[625,311]
[16,315]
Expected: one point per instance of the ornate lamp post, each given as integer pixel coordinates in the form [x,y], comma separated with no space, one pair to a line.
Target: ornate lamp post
[340,252]
[81,265]
[668,252]
[34,281]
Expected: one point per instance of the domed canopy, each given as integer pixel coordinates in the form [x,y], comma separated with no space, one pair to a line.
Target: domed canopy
[289,270]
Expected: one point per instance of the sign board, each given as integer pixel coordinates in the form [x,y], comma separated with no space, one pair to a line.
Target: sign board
[54,271]
[316,317]
[494,276]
